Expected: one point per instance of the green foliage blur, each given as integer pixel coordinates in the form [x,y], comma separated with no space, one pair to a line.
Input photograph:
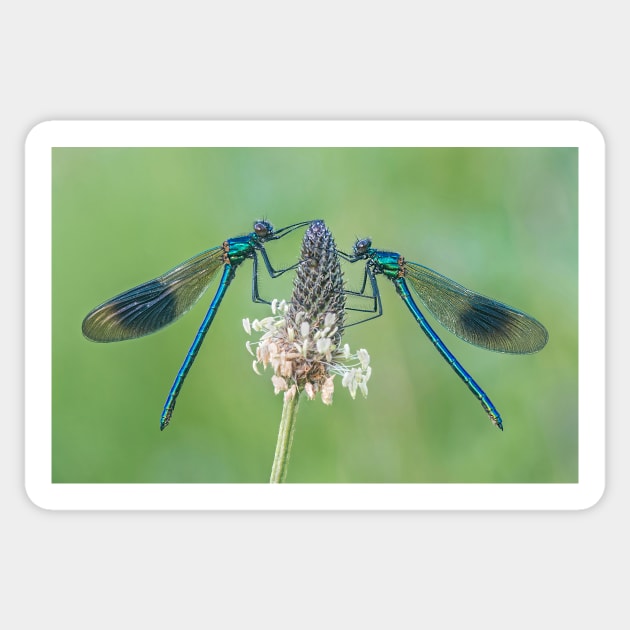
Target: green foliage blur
[502,222]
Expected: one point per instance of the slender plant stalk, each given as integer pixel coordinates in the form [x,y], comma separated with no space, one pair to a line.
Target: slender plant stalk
[285,439]
[303,346]
[302,341]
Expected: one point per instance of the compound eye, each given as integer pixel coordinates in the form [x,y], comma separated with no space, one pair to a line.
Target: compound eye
[263,228]
[361,246]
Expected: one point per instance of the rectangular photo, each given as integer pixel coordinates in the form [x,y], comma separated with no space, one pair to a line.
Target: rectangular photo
[314,315]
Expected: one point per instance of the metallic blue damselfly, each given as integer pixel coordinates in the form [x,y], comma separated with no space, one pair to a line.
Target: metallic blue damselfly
[153,305]
[474,318]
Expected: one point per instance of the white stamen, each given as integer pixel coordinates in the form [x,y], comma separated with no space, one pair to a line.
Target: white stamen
[310,390]
[290,393]
[279,384]
[327,391]
[292,355]
[323,345]
[363,357]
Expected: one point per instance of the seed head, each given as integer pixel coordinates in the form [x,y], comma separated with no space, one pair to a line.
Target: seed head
[302,340]
[318,286]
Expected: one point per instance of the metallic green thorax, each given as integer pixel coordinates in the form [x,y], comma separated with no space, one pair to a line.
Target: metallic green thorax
[389,263]
[239,248]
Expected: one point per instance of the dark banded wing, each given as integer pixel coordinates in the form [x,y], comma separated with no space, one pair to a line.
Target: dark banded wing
[154,304]
[476,319]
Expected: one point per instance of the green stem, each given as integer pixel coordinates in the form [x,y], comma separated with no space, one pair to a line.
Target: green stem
[285,439]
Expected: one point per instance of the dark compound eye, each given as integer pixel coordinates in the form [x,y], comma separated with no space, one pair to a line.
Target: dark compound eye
[263,228]
[361,246]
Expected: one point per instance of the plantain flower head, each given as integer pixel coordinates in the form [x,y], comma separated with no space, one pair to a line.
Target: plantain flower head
[301,340]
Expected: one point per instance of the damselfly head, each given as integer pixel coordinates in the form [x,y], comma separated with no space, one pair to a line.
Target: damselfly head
[263,229]
[362,246]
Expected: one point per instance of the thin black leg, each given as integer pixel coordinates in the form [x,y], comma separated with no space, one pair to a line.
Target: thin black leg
[274,273]
[255,294]
[376,297]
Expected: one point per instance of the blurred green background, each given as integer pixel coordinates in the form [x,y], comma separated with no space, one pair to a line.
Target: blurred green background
[502,222]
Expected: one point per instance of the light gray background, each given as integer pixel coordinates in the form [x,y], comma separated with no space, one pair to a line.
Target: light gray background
[483,60]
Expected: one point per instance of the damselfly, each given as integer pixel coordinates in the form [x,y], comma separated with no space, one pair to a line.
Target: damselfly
[476,319]
[155,304]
